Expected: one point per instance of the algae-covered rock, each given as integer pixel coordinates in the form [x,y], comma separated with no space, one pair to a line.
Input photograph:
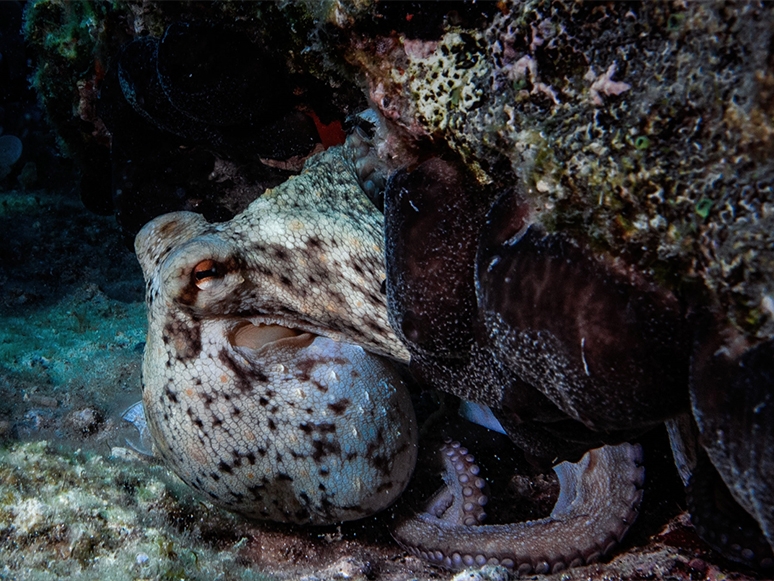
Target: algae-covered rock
[84,516]
[645,130]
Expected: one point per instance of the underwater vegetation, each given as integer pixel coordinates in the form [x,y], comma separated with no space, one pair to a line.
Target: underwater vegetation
[574,231]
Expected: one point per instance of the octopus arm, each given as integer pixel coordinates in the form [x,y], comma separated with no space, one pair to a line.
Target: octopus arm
[598,501]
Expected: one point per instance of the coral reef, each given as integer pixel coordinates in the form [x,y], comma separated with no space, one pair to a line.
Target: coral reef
[593,107]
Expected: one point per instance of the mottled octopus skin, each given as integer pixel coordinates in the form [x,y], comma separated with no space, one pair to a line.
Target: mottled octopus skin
[719,520]
[305,427]
[311,426]
[435,214]
[598,501]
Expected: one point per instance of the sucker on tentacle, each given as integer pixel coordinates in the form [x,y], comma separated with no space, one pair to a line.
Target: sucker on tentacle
[598,501]
[462,500]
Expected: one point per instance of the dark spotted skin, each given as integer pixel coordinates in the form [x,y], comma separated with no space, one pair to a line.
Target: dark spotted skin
[308,429]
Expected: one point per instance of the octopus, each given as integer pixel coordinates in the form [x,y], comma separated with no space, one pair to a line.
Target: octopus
[269,383]
[258,391]
[572,348]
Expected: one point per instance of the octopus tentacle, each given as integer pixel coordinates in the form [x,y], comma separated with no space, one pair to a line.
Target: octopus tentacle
[598,501]
[462,500]
[721,522]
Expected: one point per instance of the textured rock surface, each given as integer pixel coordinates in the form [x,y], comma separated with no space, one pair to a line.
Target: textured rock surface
[643,129]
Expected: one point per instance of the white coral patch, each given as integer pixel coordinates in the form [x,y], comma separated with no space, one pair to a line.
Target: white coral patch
[605,85]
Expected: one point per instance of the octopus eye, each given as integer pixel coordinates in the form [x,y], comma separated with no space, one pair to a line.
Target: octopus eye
[205,273]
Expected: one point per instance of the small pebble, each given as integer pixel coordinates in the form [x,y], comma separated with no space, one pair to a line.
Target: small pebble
[485,573]
[86,420]
[121,453]
[42,400]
